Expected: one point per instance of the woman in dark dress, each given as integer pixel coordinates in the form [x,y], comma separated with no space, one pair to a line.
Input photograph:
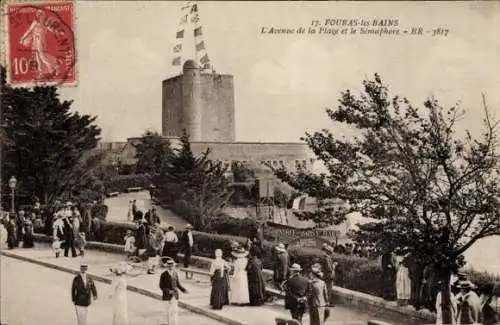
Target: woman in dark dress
[28,241]
[256,286]
[12,240]
[219,269]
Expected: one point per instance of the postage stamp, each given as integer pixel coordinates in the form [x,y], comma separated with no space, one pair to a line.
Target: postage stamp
[40,43]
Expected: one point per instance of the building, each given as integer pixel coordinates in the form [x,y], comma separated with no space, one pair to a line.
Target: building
[203,104]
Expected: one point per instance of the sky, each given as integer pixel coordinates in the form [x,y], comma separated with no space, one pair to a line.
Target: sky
[283,83]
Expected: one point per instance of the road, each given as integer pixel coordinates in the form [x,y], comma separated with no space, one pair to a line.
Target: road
[32,294]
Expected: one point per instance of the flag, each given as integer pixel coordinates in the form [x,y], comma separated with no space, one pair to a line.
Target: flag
[206,66]
[180,34]
[187,5]
[194,8]
[204,59]
[176,61]
[200,46]
[184,19]
[195,18]
[178,48]
[197,31]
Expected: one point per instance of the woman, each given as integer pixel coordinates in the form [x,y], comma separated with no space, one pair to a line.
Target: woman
[119,294]
[219,295]
[488,312]
[239,281]
[256,285]
[170,244]
[28,241]
[403,283]
[12,240]
[317,297]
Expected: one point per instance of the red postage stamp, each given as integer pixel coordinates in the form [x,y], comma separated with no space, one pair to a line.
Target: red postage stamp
[41,46]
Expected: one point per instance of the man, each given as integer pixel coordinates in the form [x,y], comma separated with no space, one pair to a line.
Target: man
[296,290]
[388,262]
[187,243]
[154,216]
[280,266]
[329,274]
[170,286]
[82,291]
[469,304]
[69,236]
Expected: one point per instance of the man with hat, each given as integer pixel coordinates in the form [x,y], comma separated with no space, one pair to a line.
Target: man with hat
[468,304]
[82,291]
[69,235]
[329,274]
[280,266]
[296,290]
[170,286]
[187,243]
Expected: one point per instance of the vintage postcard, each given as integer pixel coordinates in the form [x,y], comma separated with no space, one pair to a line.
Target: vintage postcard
[249,162]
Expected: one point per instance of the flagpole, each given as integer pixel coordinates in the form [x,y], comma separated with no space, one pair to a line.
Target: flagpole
[196,25]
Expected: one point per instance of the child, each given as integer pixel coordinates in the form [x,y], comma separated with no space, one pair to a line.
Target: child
[81,242]
[56,246]
[130,248]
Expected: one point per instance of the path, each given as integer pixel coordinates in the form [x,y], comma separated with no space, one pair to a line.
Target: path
[199,290]
[36,295]
[118,209]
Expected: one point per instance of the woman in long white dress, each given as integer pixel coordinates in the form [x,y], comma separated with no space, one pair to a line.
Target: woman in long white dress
[403,282]
[239,294]
[119,294]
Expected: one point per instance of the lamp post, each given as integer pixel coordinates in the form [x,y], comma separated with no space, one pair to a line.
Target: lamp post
[12,185]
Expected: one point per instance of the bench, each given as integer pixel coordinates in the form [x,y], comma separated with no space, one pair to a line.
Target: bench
[113,194]
[190,272]
[134,189]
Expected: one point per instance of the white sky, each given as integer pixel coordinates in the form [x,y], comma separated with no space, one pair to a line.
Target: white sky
[283,82]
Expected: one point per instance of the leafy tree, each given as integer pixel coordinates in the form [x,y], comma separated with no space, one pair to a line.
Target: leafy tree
[198,181]
[241,172]
[45,145]
[151,151]
[436,192]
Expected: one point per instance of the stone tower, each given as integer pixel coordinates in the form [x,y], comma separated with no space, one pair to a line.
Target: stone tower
[201,103]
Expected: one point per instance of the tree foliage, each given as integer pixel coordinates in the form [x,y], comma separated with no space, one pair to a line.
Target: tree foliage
[45,146]
[435,191]
[151,151]
[196,180]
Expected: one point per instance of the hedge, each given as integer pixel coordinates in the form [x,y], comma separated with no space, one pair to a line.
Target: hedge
[122,182]
[355,273]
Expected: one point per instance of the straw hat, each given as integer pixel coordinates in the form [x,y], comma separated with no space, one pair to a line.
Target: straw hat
[120,268]
[295,267]
[280,248]
[465,285]
[170,261]
[239,252]
[189,226]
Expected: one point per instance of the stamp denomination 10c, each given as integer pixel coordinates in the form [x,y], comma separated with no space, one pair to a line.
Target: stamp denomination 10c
[41,43]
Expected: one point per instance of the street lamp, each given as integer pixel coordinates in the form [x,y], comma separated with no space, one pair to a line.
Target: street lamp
[12,185]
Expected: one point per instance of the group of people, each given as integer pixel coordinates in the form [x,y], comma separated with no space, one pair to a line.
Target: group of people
[66,231]
[17,230]
[84,291]
[149,242]
[469,304]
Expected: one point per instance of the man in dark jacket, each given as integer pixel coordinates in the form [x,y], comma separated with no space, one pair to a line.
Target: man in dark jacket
[69,236]
[280,266]
[170,286]
[82,291]
[296,291]
[187,243]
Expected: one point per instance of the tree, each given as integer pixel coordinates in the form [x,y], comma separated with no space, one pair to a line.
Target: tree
[241,172]
[198,181]
[435,192]
[45,145]
[151,150]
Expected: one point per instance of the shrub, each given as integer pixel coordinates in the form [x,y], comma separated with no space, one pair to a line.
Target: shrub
[100,211]
[224,224]
[122,182]
[355,273]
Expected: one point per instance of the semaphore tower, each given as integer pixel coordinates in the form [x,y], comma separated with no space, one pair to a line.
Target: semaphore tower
[197,99]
